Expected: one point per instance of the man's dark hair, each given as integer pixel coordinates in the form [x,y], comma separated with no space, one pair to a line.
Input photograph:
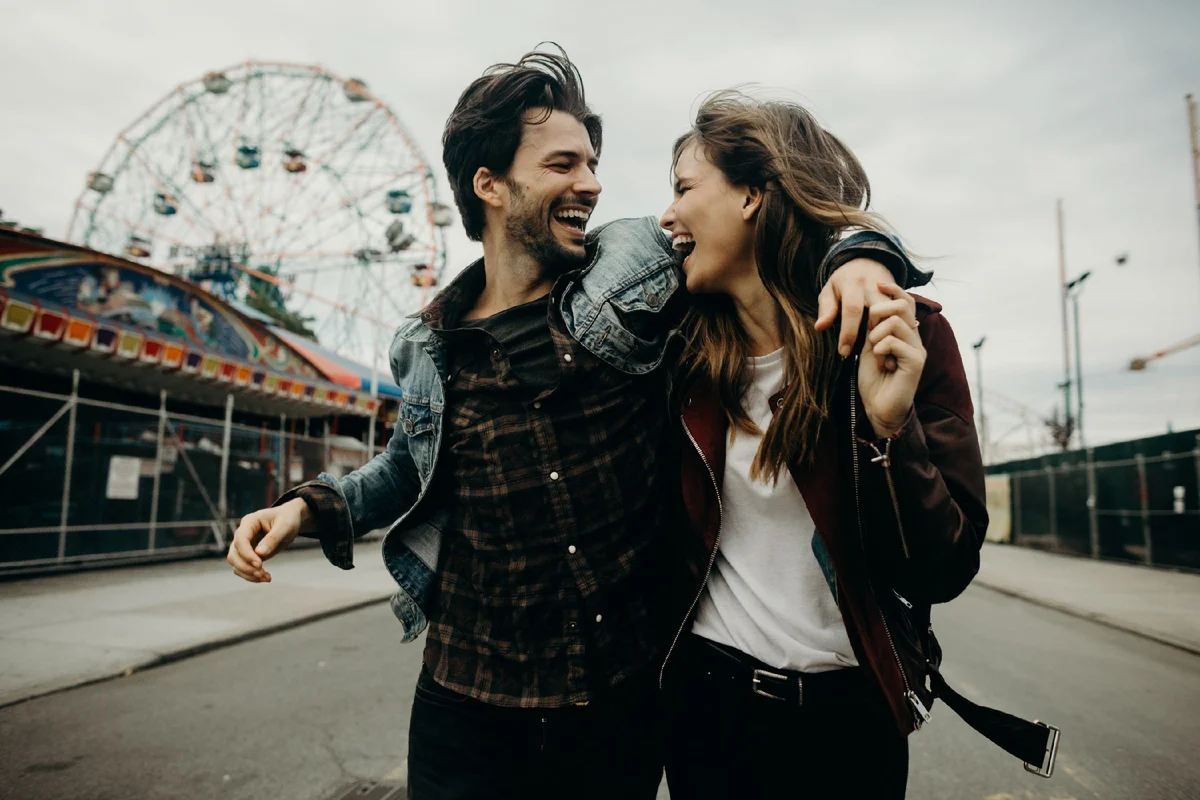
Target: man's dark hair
[484,130]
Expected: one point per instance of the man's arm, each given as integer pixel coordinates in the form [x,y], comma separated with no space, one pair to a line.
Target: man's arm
[850,273]
[849,278]
[370,497]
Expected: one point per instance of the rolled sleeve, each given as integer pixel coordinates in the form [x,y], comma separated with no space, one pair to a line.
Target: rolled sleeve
[335,529]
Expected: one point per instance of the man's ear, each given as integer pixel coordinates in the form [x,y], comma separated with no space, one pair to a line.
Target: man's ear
[488,187]
[752,199]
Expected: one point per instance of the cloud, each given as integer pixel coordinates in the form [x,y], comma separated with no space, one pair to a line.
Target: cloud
[971,118]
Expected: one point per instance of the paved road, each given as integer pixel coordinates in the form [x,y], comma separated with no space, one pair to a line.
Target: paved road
[301,713]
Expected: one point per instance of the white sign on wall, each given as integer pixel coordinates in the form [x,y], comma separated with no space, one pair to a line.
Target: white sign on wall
[124,475]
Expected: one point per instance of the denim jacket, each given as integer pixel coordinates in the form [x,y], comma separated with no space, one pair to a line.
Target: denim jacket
[613,307]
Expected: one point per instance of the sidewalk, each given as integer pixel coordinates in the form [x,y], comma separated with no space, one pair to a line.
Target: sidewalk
[65,630]
[1154,603]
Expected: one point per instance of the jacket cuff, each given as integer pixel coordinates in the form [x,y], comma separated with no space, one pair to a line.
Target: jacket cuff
[882,248]
[332,516]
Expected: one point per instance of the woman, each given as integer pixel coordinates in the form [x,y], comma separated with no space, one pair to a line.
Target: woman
[830,501]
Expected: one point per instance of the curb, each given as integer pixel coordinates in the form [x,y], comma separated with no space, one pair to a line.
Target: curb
[205,647]
[1092,616]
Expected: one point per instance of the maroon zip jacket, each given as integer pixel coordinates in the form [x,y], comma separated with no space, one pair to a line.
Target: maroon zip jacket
[902,518]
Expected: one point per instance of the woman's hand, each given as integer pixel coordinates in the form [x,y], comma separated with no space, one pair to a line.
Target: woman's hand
[892,359]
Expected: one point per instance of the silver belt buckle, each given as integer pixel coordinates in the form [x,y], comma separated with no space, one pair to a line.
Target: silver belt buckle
[1046,768]
[759,674]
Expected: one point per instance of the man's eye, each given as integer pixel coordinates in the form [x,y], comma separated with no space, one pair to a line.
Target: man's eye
[563,167]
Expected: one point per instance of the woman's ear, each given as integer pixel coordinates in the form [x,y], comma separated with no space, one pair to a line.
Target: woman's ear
[752,199]
[488,187]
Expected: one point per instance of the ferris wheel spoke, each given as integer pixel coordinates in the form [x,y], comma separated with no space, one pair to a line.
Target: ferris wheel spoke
[137,228]
[320,166]
[323,211]
[195,130]
[298,186]
[164,183]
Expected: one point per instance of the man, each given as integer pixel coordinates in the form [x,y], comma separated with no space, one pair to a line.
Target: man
[526,482]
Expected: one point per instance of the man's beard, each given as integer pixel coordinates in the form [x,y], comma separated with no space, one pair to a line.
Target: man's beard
[529,226]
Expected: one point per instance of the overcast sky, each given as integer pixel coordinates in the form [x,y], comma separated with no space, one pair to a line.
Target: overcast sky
[971,119]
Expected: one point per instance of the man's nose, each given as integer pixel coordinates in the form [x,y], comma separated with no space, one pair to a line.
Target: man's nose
[588,183]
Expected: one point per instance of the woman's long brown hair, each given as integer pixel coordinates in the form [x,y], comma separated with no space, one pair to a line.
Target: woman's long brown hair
[813,188]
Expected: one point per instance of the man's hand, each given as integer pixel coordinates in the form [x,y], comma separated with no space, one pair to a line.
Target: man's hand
[263,534]
[854,287]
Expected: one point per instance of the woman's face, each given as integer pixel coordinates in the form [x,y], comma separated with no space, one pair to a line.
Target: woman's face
[712,221]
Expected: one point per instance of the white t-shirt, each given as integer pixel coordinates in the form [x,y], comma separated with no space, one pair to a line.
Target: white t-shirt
[768,595]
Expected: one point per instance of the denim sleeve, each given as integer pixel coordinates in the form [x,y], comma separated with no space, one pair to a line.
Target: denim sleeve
[373,496]
[877,246]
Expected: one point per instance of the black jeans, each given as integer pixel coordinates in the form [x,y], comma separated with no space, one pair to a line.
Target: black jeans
[724,741]
[462,749]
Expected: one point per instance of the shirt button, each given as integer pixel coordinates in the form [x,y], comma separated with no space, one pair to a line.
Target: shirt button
[599,618]
[537,403]
[567,358]
[652,300]
[571,549]
[553,476]
[572,625]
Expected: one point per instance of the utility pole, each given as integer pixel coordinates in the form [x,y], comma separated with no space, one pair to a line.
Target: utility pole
[983,441]
[1194,129]
[1062,294]
[1073,289]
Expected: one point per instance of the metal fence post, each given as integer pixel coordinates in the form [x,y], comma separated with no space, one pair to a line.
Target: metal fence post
[158,462]
[1053,506]
[70,464]
[1016,503]
[1093,524]
[325,455]
[223,495]
[371,437]
[1196,453]
[283,454]
[1147,544]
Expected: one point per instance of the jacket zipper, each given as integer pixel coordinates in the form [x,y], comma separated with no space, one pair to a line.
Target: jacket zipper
[921,714]
[884,459]
[712,558]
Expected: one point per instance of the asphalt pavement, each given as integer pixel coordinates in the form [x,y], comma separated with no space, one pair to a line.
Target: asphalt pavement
[306,711]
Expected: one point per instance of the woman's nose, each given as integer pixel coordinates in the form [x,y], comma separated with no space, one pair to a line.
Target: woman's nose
[667,220]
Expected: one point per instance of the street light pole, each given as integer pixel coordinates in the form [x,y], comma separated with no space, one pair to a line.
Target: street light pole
[983,440]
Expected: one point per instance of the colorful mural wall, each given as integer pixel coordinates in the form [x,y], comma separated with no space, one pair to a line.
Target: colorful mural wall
[121,292]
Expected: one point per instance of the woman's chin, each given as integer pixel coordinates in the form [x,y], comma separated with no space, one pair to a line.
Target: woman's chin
[696,284]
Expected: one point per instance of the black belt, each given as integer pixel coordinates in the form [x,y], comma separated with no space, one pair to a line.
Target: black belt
[1035,743]
[781,685]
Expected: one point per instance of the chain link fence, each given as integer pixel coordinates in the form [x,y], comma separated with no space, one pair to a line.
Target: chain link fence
[86,481]
[1138,508]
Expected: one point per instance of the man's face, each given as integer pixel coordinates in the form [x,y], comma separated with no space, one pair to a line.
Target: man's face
[552,190]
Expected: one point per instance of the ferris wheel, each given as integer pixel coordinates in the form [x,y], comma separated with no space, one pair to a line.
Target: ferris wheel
[283,187]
